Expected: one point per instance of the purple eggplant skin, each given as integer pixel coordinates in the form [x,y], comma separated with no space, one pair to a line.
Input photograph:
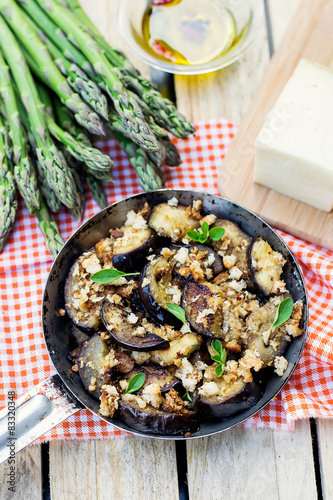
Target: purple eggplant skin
[197,297]
[155,421]
[247,397]
[133,260]
[124,333]
[202,355]
[91,358]
[159,314]
[79,335]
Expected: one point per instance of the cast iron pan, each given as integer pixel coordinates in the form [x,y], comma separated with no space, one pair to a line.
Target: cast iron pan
[57,329]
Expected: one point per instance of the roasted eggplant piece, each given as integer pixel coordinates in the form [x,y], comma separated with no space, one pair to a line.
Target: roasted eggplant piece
[130,251]
[172,222]
[241,396]
[149,419]
[233,247]
[271,342]
[128,335]
[201,355]
[202,303]
[79,335]
[86,314]
[155,374]
[179,348]
[266,267]
[213,260]
[156,288]
[91,361]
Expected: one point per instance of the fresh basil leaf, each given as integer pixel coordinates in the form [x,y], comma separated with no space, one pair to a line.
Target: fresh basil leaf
[105,276]
[135,383]
[223,357]
[186,396]
[216,358]
[219,370]
[216,233]
[176,311]
[194,235]
[284,312]
[205,228]
[202,238]
[217,346]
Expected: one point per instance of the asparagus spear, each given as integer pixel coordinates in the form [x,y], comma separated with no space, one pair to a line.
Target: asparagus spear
[48,194]
[76,77]
[39,53]
[124,103]
[149,175]
[8,203]
[66,122]
[92,157]
[48,227]
[163,110]
[96,189]
[24,171]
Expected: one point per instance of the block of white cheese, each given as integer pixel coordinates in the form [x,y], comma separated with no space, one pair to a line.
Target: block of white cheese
[294,149]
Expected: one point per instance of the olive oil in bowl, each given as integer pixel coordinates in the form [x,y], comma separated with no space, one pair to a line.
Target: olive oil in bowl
[188,32]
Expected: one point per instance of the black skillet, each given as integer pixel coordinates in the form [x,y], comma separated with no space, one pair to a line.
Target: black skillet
[57,328]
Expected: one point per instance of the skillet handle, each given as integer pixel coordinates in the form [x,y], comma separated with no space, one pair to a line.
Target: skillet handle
[33,414]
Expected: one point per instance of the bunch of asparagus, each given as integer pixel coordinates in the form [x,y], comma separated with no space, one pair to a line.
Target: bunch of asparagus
[61,83]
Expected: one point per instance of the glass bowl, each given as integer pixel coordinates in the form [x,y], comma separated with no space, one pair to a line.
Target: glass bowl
[247,15]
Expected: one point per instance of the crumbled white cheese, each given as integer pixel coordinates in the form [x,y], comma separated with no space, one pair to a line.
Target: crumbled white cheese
[185,328]
[237,285]
[211,259]
[135,220]
[182,255]
[140,357]
[186,241]
[132,318]
[173,202]
[188,375]
[228,260]
[280,365]
[151,394]
[235,273]
[175,293]
[132,398]
[91,264]
[208,389]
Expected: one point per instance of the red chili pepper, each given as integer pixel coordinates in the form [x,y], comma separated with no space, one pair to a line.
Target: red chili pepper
[162,51]
[161,2]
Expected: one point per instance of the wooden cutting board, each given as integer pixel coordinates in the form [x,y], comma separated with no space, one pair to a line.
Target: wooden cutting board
[310,35]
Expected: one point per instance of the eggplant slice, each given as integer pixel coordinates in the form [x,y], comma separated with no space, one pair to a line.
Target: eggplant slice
[241,397]
[128,335]
[272,342]
[209,261]
[149,419]
[233,247]
[266,267]
[156,288]
[155,374]
[172,222]
[91,361]
[130,250]
[202,303]
[85,314]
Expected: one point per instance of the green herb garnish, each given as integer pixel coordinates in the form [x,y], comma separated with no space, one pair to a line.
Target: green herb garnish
[135,383]
[220,357]
[215,233]
[176,311]
[186,396]
[105,276]
[283,312]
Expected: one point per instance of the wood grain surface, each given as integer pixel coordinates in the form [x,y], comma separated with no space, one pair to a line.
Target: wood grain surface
[309,35]
[238,464]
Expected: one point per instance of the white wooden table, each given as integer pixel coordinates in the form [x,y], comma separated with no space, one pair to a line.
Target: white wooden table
[238,464]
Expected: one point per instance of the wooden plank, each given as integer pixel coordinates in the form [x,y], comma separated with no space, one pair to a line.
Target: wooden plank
[310,36]
[256,464]
[121,468]
[279,19]
[226,93]
[325,445]
[28,479]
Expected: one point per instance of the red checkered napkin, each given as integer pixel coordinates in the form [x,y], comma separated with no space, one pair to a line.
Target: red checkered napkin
[25,262]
